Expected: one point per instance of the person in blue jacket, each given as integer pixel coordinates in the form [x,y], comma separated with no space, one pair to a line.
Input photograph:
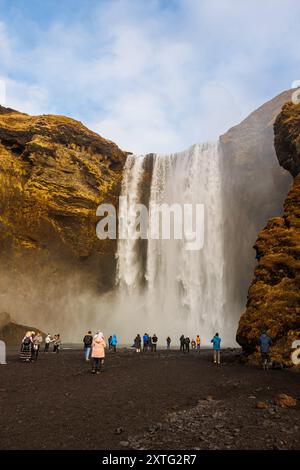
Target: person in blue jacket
[114,343]
[216,341]
[145,342]
[265,342]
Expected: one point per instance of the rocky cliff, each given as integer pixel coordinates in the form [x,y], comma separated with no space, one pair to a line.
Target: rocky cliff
[274,295]
[54,172]
[254,188]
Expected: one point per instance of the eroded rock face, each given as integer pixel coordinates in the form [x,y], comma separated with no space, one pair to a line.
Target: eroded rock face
[274,295]
[254,189]
[54,172]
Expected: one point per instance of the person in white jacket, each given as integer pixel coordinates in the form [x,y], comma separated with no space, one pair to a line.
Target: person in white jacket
[48,340]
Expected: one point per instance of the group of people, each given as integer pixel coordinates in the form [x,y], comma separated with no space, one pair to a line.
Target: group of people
[31,344]
[185,343]
[56,340]
[94,346]
[149,342]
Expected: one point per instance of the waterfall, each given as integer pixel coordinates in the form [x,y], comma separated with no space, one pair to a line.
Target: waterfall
[128,266]
[176,291]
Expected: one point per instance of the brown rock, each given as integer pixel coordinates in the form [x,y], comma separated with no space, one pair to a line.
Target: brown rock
[261,405]
[285,401]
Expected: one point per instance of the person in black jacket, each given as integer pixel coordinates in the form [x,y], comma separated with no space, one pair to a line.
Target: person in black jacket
[182,343]
[187,344]
[154,342]
[138,343]
[87,345]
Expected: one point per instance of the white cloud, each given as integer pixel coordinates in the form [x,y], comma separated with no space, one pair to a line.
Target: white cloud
[153,78]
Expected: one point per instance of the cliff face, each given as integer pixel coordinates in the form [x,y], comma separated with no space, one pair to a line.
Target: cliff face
[274,295]
[54,172]
[254,188]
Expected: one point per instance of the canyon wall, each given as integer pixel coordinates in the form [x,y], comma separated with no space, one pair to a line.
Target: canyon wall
[54,172]
[274,295]
[254,188]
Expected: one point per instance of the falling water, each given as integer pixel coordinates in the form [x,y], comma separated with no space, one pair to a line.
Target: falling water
[128,266]
[176,291]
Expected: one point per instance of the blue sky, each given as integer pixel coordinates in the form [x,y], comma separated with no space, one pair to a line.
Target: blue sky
[151,75]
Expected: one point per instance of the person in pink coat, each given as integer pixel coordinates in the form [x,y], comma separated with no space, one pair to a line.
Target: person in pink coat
[98,352]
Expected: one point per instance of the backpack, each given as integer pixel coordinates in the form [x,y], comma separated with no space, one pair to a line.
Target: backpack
[88,339]
[26,341]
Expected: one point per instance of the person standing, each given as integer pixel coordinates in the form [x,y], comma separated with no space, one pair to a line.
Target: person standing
[98,352]
[137,343]
[56,344]
[216,341]
[145,342]
[48,340]
[187,344]
[193,344]
[26,348]
[168,342]
[109,343]
[114,343]
[154,342]
[198,342]
[87,345]
[265,342]
[37,341]
[182,343]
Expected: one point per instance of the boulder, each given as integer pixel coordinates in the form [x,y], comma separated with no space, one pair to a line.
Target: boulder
[285,401]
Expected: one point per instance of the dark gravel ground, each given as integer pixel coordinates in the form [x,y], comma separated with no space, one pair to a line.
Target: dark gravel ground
[164,400]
